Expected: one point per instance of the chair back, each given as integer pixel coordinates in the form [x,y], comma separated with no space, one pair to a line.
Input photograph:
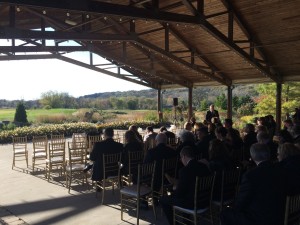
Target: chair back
[229,185]
[134,159]
[292,210]
[203,191]
[111,165]
[169,166]
[40,144]
[19,143]
[79,138]
[57,138]
[77,153]
[92,140]
[145,175]
[172,142]
[57,149]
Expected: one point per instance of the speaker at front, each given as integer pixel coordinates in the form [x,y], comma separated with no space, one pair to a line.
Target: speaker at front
[175,101]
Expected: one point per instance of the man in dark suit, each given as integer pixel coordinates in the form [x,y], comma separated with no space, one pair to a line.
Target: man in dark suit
[108,146]
[211,113]
[158,154]
[183,195]
[262,193]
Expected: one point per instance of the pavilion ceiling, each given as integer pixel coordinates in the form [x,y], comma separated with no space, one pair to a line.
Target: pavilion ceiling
[162,44]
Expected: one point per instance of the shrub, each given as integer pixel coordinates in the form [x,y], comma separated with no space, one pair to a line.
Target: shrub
[20,115]
[68,129]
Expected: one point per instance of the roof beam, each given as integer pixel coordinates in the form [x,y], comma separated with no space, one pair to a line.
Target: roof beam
[247,32]
[88,66]
[179,60]
[229,43]
[124,30]
[199,54]
[41,48]
[27,57]
[14,33]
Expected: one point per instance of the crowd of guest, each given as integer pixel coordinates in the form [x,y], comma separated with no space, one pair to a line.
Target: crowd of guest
[270,163]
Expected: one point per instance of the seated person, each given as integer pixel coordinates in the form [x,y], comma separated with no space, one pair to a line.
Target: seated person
[264,138]
[219,160]
[169,134]
[289,159]
[262,193]
[284,136]
[183,195]
[107,146]
[132,144]
[249,139]
[160,152]
[149,138]
[202,144]
[188,126]
[135,130]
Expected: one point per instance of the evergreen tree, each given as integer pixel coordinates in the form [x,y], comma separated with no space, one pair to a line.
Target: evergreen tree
[20,115]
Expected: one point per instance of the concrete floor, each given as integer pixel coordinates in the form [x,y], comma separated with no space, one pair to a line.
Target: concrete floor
[28,198]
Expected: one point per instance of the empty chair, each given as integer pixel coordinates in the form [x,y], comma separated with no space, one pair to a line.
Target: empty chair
[57,138]
[202,203]
[292,210]
[55,157]
[19,150]
[76,163]
[131,196]
[79,138]
[40,148]
[111,172]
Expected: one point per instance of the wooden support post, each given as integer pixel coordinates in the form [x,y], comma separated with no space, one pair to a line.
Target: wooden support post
[159,108]
[190,109]
[278,106]
[229,102]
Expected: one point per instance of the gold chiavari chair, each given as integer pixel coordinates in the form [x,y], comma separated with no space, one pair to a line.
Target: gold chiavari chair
[19,150]
[40,149]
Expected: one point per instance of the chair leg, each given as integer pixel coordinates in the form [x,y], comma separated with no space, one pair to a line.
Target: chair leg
[138,211]
[122,207]
[103,184]
[26,156]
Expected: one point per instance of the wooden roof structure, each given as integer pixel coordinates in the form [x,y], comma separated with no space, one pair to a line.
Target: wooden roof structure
[161,43]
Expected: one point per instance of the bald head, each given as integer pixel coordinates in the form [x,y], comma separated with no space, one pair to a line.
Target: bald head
[161,138]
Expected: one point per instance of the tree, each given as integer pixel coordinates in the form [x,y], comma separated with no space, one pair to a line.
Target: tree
[20,115]
[132,104]
[266,102]
[221,101]
[203,105]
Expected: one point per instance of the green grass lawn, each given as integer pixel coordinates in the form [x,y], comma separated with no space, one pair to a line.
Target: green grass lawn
[34,115]
[8,114]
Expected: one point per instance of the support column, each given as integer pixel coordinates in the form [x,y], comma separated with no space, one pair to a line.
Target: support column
[190,103]
[229,102]
[159,109]
[278,106]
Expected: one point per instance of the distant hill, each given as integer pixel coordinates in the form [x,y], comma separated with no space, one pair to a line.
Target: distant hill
[209,92]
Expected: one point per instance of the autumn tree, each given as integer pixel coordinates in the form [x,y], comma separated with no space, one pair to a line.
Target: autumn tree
[266,102]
